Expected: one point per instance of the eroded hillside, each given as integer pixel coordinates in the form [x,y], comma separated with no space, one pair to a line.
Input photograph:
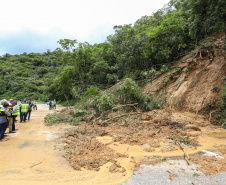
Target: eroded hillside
[196,79]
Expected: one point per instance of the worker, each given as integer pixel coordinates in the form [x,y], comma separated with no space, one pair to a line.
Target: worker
[30,105]
[3,120]
[15,113]
[54,103]
[2,103]
[35,105]
[10,120]
[24,110]
[50,104]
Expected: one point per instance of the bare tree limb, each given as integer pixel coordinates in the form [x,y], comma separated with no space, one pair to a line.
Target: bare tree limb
[129,114]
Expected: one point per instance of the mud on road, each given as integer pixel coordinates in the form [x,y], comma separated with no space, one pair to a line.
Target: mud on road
[34,155]
[91,154]
[124,146]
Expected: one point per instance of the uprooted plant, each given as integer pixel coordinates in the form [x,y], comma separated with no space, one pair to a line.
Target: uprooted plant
[128,98]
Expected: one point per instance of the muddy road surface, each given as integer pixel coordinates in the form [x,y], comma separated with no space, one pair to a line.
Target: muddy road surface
[34,155]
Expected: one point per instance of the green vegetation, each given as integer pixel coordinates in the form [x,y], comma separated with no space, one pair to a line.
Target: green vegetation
[184,140]
[95,103]
[196,174]
[139,52]
[28,75]
[69,116]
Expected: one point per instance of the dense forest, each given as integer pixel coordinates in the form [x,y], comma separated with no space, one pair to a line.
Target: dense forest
[139,51]
[28,75]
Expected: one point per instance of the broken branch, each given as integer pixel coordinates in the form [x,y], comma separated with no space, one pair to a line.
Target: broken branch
[129,114]
[116,108]
[185,154]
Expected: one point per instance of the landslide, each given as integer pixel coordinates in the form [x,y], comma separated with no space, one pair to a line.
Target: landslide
[194,81]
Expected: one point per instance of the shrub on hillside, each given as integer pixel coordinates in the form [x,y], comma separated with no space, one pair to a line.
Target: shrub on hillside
[103,103]
[130,92]
[90,92]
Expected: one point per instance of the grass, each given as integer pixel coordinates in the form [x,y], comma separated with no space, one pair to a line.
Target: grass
[184,140]
[196,174]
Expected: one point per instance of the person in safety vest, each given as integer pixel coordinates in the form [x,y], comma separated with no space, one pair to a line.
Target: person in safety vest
[3,120]
[20,110]
[24,110]
[29,108]
[15,113]
[35,105]
[2,103]
[10,120]
[54,103]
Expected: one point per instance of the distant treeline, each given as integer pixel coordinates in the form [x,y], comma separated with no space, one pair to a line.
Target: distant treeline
[28,75]
[135,51]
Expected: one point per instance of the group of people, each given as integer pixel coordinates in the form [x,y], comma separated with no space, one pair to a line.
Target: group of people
[9,110]
[52,104]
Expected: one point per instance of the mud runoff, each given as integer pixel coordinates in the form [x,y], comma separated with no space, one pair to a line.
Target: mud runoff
[90,154]
[126,147]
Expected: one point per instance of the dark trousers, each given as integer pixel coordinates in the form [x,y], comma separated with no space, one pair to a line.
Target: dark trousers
[2,130]
[23,116]
[35,107]
[13,125]
[6,125]
[29,114]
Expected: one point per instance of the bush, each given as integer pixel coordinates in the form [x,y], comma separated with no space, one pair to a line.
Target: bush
[103,103]
[79,112]
[153,102]
[130,92]
[90,92]
[51,119]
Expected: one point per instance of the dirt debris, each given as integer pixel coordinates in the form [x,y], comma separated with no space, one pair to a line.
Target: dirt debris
[84,151]
[209,165]
[116,167]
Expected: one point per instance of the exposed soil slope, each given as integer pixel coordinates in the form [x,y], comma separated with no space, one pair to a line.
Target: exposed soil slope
[195,80]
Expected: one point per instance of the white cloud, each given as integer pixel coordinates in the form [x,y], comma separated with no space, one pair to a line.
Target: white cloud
[72,18]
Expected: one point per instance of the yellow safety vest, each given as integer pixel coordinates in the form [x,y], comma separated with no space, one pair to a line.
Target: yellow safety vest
[24,107]
[16,112]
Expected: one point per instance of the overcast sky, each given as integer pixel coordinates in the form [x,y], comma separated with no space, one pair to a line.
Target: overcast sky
[37,25]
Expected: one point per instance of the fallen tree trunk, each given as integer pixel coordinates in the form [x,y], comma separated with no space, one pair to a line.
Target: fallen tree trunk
[185,154]
[129,114]
[127,105]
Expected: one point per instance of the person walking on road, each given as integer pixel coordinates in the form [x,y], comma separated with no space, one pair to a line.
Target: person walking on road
[30,105]
[24,110]
[3,120]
